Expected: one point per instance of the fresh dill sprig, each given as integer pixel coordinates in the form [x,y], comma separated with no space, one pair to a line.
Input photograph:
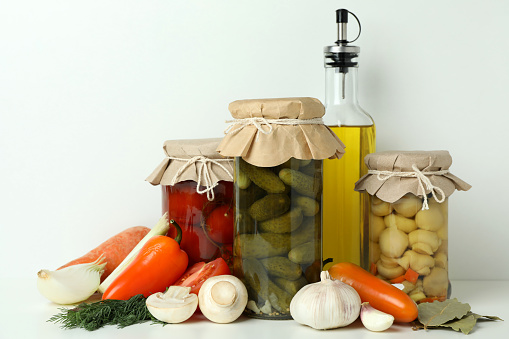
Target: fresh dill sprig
[105,312]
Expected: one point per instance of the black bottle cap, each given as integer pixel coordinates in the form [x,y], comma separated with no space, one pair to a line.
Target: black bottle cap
[341,15]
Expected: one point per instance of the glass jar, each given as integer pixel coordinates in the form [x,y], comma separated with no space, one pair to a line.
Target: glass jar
[207,225]
[408,245]
[197,192]
[277,247]
[408,219]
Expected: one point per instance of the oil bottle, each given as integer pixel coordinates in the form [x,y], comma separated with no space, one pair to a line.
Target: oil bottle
[345,212]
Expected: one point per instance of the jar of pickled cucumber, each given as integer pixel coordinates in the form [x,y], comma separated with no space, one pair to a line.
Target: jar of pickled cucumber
[197,192]
[278,145]
[408,219]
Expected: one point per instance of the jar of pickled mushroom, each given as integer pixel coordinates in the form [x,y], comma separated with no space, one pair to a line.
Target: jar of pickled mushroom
[408,219]
[278,145]
[197,192]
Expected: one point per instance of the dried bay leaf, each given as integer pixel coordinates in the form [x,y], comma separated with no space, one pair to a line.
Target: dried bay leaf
[485,317]
[440,312]
[465,324]
[435,315]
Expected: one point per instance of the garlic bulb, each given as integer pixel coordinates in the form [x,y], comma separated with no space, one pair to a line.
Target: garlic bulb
[326,304]
[174,306]
[222,298]
[375,320]
[71,284]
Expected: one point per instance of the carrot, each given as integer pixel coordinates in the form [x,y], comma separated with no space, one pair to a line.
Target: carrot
[398,280]
[115,249]
[380,294]
[372,269]
[411,276]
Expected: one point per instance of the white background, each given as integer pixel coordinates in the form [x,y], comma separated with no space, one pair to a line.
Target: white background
[89,90]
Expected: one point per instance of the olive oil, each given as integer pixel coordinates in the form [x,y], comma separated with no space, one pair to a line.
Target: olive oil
[345,223]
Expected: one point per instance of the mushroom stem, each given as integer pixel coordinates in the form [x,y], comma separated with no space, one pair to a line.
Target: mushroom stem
[223,293]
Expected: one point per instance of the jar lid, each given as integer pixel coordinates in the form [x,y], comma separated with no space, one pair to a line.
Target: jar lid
[194,159]
[392,174]
[268,132]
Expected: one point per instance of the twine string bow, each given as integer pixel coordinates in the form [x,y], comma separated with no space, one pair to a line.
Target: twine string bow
[424,182]
[203,173]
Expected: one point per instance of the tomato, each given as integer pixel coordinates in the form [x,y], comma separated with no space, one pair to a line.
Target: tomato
[185,205]
[196,275]
[196,244]
[219,224]
[380,294]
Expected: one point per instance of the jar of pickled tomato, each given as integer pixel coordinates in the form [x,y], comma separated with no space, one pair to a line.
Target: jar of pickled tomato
[197,192]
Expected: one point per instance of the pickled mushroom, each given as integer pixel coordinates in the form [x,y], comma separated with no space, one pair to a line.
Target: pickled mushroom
[404,224]
[393,242]
[426,237]
[436,283]
[382,209]
[408,205]
[430,220]
[389,272]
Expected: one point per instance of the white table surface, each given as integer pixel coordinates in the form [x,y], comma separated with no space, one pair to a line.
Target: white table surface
[24,314]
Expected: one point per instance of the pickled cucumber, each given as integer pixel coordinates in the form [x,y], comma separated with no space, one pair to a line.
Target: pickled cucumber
[263,177]
[248,196]
[279,298]
[282,267]
[308,230]
[262,245]
[291,286]
[270,206]
[303,254]
[245,224]
[243,180]
[255,275]
[285,223]
[309,206]
[302,183]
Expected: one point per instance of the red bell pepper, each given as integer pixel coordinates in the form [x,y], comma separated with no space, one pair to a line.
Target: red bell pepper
[158,265]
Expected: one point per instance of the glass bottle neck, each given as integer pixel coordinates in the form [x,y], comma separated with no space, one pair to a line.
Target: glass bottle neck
[340,87]
[341,105]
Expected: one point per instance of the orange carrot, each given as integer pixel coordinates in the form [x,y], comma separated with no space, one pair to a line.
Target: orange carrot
[411,276]
[115,249]
[398,280]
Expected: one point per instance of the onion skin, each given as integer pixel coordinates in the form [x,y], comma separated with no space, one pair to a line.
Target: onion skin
[380,294]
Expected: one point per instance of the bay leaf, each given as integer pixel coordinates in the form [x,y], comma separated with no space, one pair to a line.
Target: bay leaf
[440,312]
[465,324]
[484,317]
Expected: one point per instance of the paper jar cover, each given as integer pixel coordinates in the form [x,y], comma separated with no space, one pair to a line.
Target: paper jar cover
[396,187]
[300,141]
[179,152]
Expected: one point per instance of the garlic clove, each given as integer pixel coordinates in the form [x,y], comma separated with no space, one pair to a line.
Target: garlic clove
[174,306]
[222,298]
[375,320]
[71,284]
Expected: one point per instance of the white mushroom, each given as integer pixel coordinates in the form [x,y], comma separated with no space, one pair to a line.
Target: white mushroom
[222,298]
[174,306]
